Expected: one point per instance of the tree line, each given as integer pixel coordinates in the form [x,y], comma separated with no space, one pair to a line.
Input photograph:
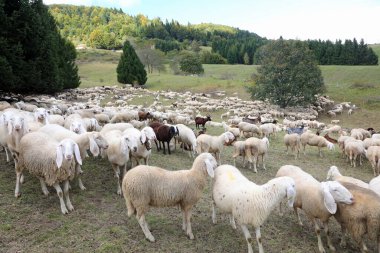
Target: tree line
[33,55]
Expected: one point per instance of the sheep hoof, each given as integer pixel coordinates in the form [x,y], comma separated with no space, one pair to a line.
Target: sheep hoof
[46,193]
[82,187]
[64,210]
[191,236]
[119,192]
[150,238]
[70,208]
[17,194]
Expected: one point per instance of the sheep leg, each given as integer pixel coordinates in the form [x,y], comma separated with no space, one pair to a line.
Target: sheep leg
[248,237]
[329,243]
[60,195]
[117,175]
[232,221]
[255,158]
[17,189]
[318,232]
[7,154]
[168,147]
[258,238]
[298,216]
[145,229]
[79,172]
[22,179]
[43,186]
[66,193]
[263,160]
[218,156]
[364,247]
[213,215]
[188,224]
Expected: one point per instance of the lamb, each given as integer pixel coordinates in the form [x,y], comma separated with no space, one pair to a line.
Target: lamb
[51,161]
[373,156]
[249,203]
[311,139]
[245,127]
[85,141]
[353,149]
[294,142]
[255,147]
[118,152]
[360,218]
[144,144]
[239,150]
[145,186]
[335,175]
[75,123]
[214,144]
[187,137]
[317,199]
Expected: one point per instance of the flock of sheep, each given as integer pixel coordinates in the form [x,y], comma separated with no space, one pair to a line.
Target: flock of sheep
[51,138]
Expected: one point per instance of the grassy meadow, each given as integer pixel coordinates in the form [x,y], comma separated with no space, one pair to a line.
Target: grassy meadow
[99,223]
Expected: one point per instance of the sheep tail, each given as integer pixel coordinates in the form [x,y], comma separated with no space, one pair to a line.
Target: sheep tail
[130,207]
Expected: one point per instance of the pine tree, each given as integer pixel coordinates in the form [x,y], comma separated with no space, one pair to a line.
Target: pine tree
[130,70]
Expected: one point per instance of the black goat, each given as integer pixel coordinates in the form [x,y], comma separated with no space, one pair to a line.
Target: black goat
[164,134]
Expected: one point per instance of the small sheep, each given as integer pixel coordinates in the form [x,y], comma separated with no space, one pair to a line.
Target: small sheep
[360,218]
[214,144]
[373,156]
[354,149]
[374,185]
[311,139]
[294,142]
[117,126]
[317,199]
[334,174]
[119,146]
[249,203]
[187,137]
[246,127]
[255,147]
[371,142]
[145,186]
[51,161]
[239,150]
[144,144]
[234,130]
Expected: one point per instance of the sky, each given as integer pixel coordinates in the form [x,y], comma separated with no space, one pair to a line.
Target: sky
[291,19]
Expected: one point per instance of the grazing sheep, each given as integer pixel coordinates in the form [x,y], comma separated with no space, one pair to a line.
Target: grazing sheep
[214,144]
[119,146]
[373,156]
[317,199]
[245,127]
[187,137]
[234,130]
[360,218]
[268,129]
[354,149]
[335,175]
[102,118]
[294,142]
[145,186]
[311,139]
[255,147]
[249,203]
[333,129]
[239,150]
[51,161]
[138,124]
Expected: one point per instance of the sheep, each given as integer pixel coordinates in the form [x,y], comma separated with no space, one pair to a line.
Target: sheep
[311,139]
[117,126]
[124,117]
[249,203]
[145,186]
[164,134]
[144,145]
[4,119]
[317,199]
[144,115]
[85,141]
[255,147]
[201,121]
[187,137]
[17,128]
[375,136]
[119,145]
[75,123]
[333,129]
[360,218]
[239,150]
[268,129]
[335,175]
[102,118]
[374,185]
[234,130]
[138,124]
[214,144]
[373,156]
[245,127]
[41,115]
[51,161]
[294,142]
[353,149]
[57,119]
[91,124]
[371,142]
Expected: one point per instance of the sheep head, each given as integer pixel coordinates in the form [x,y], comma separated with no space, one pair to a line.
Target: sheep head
[77,127]
[209,163]
[18,124]
[66,149]
[333,192]
[229,138]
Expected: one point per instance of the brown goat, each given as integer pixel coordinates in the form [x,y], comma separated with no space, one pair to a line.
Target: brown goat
[164,134]
[144,115]
[201,121]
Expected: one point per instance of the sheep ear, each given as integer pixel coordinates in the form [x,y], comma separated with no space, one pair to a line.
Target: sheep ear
[25,126]
[77,154]
[35,114]
[47,115]
[93,146]
[209,168]
[71,127]
[328,199]
[143,137]
[10,127]
[124,148]
[59,157]
[226,139]
[82,129]
[291,195]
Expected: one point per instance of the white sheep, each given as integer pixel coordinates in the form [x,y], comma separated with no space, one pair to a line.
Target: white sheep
[311,139]
[249,203]
[373,156]
[374,185]
[294,142]
[239,150]
[234,130]
[214,144]
[268,129]
[51,161]
[371,142]
[17,128]
[41,115]
[354,149]
[248,128]
[144,143]
[117,126]
[317,199]
[145,186]
[117,153]
[187,137]
[254,148]
[4,119]
[375,136]
[335,175]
